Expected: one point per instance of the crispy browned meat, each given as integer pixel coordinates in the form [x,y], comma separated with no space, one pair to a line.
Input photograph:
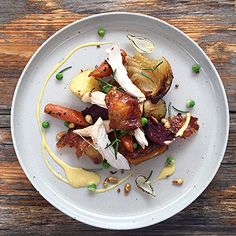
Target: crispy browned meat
[127,142]
[140,155]
[67,114]
[104,68]
[176,122]
[81,146]
[123,110]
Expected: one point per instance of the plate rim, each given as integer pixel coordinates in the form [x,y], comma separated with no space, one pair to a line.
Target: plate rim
[99,223]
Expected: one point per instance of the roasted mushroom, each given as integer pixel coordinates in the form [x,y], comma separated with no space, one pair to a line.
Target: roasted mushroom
[156,110]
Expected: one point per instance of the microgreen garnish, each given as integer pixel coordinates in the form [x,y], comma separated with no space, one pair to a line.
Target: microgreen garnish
[169,109]
[147,76]
[148,176]
[179,110]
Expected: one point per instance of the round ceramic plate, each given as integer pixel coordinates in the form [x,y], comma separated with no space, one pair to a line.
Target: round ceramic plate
[197,158]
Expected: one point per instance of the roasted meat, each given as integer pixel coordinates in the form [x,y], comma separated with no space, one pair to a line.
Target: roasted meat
[81,146]
[123,110]
[104,69]
[176,122]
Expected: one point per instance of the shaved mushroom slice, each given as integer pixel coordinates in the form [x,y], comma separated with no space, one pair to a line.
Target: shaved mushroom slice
[145,185]
[140,137]
[96,97]
[121,76]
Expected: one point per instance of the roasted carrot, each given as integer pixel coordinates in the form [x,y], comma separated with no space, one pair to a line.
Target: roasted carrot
[127,142]
[67,114]
[104,68]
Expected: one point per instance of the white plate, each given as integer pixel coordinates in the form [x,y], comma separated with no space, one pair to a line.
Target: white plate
[197,158]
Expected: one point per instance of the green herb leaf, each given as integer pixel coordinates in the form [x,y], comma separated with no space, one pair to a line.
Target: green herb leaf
[147,76]
[154,68]
[179,110]
[67,68]
[169,109]
[148,176]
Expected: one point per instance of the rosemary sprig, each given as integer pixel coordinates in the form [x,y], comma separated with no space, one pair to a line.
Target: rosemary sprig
[157,65]
[110,85]
[147,76]
[148,176]
[154,68]
[67,68]
[179,110]
[114,143]
[169,109]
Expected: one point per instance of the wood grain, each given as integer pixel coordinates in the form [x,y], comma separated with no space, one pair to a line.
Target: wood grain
[26,24]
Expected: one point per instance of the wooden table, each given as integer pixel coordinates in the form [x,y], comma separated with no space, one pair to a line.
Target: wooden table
[25,25]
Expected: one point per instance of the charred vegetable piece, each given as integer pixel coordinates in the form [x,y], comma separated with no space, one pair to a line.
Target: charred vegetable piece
[156,110]
[96,111]
[93,154]
[66,114]
[157,133]
[104,69]
[81,145]
[140,155]
[176,123]
[127,142]
[123,110]
[142,183]
[160,77]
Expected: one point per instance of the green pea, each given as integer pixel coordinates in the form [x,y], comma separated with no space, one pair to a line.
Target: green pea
[170,161]
[135,145]
[92,187]
[59,76]
[66,123]
[196,68]
[101,32]
[45,124]
[144,121]
[190,103]
[105,164]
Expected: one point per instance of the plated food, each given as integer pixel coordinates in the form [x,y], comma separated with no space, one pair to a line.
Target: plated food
[194,160]
[126,121]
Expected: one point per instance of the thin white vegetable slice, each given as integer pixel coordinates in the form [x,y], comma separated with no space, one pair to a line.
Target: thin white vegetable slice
[141,44]
[121,77]
[86,132]
[140,137]
[96,97]
[101,140]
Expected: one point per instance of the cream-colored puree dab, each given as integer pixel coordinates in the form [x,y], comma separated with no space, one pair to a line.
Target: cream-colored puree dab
[76,177]
[167,171]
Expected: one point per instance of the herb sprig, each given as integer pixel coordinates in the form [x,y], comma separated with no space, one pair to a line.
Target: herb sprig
[153,68]
[116,141]
[147,76]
